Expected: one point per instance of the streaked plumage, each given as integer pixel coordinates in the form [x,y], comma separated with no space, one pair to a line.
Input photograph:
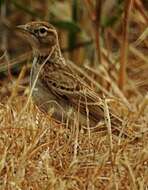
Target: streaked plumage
[59,88]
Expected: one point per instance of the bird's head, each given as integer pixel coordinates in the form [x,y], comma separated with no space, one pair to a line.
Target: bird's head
[42,36]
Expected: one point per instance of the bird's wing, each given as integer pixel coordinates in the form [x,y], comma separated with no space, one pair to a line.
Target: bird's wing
[66,83]
[69,87]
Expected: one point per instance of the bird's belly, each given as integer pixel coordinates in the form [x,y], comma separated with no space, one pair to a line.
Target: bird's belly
[49,103]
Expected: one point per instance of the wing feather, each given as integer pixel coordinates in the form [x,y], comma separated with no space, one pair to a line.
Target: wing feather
[69,87]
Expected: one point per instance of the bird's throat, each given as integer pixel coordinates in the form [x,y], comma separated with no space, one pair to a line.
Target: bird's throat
[47,56]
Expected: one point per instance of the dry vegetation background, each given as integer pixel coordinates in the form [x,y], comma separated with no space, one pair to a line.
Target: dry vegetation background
[109,40]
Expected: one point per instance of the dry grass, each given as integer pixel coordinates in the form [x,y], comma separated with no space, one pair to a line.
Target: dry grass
[37,153]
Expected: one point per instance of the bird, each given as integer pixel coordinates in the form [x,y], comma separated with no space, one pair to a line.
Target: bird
[57,87]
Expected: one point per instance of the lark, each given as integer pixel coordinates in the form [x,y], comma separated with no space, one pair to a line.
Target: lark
[57,86]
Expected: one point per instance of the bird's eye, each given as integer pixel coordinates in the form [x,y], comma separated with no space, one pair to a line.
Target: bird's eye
[42,31]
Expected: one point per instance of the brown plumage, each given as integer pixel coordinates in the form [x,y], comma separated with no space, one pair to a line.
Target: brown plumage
[59,89]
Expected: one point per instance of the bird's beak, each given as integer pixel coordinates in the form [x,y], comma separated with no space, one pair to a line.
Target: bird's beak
[24,32]
[21,28]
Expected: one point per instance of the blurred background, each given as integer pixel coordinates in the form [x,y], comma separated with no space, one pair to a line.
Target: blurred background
[108,39]
[103,36]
